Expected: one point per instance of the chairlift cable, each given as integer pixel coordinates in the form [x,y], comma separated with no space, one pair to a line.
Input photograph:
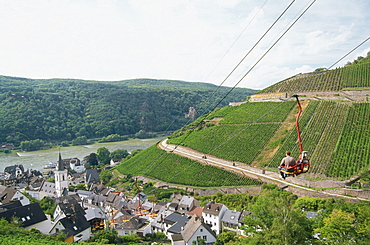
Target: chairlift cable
[202,109]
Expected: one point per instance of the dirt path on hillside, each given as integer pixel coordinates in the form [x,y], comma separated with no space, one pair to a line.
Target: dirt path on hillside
[298,185]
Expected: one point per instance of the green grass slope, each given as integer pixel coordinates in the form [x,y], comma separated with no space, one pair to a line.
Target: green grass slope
[169,167]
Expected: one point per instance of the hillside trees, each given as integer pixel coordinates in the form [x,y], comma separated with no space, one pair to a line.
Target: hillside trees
[91,160]
[119,154]
[65,109]
[275,221]
[103,155]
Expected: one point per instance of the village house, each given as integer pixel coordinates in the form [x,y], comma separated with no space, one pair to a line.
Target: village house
[48,188]
[76,165]
[9,194]
[230,220]
[96,218]
[136,225]
[186,204]
[15,175]
[30,215]
[74,225]
[92,177]
[67,205]
[69,217]
[212,215]
[196,229]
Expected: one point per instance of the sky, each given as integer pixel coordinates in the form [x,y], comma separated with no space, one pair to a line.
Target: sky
[188,40]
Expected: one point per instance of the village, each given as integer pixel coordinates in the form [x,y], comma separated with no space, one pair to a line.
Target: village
[80,213]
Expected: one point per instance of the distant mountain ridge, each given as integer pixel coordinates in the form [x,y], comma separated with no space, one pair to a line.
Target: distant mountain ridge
[65,109]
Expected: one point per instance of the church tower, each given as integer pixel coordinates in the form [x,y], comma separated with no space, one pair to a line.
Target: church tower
[61,177]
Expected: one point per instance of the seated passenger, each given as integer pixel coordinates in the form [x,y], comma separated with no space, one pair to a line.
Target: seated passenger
[286,162]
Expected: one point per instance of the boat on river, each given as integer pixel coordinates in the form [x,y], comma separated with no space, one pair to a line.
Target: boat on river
[50,165]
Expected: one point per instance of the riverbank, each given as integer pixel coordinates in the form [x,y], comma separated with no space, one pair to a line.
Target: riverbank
[37,159]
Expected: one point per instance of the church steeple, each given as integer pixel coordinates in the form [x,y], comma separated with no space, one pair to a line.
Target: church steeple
[61,177]
[60,165]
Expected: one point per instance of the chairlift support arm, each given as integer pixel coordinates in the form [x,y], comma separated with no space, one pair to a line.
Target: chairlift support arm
[297,123]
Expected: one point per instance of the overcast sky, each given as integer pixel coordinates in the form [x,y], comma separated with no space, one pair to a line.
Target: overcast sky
[189,40]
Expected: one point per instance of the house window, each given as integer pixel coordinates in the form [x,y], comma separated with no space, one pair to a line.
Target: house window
[198,237]
[205,238]
[201,230]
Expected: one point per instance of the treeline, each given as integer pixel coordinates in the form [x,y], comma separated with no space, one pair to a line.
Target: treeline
[65,109]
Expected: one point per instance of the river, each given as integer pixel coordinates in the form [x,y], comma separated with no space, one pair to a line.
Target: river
[37,159]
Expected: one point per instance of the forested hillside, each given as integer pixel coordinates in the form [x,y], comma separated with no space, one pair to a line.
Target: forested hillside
[64,109]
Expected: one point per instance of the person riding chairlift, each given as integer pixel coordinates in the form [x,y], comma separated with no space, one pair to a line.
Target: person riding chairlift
[286,162]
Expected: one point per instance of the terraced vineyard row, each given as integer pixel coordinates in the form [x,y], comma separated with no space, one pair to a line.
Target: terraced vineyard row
[259,111]
[172,168]
[351,153]
[356,75]
[290,142]
[336,118]
[251,112]
[233,142]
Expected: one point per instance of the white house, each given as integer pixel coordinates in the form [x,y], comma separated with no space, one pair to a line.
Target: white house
[212,214]
[195,229]
[75,226]
[8,194]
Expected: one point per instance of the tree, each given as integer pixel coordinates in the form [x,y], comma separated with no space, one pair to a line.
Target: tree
[119,154]
[105,176]
[32,145]
[48,205]
[133,153]
[275,221]
[107,237]
[363,221]
[81,140]
[225,237]
[142,134]
[338,227]
[103,155]
[91,159]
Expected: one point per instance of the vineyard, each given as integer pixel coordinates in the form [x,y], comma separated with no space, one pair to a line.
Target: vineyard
[352,151]
[172,168]
[241,134]
[353,76]
[335,133]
